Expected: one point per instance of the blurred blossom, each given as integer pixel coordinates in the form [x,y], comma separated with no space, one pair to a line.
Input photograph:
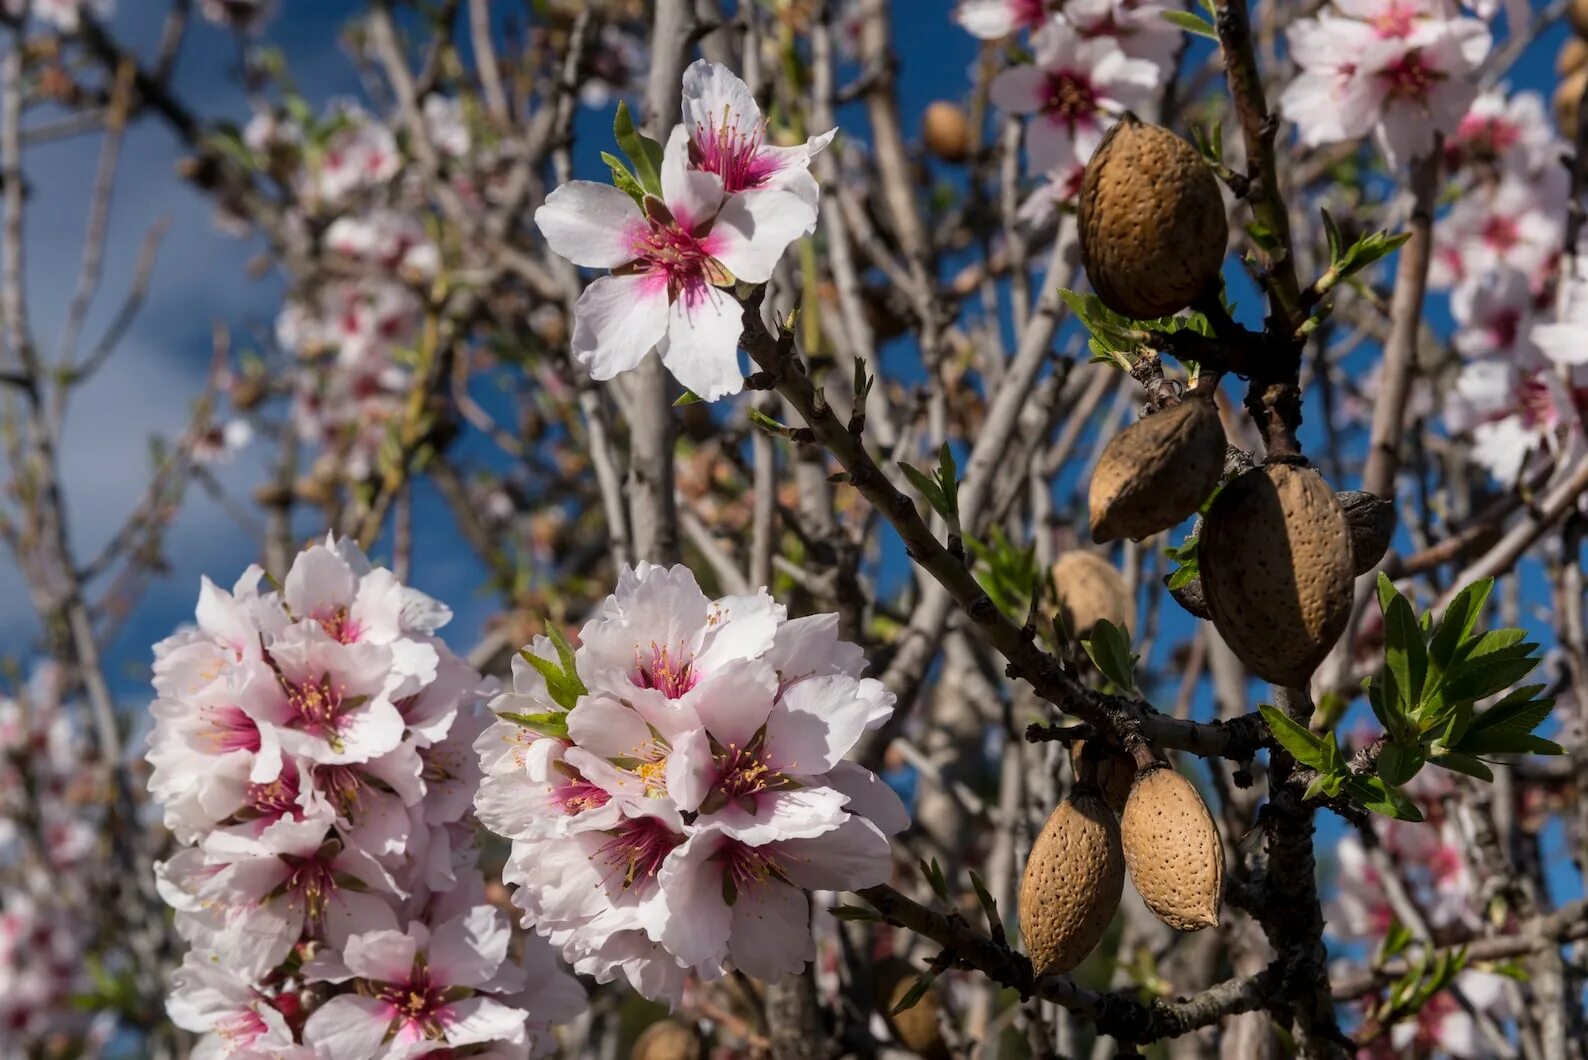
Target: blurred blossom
[1073,91]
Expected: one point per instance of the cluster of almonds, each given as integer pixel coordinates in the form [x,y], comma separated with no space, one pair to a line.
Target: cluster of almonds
[1278,548]
[1147,821]
[1278,554]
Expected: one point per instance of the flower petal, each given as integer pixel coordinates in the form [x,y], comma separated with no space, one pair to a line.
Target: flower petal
[618,320]
[591,224]
[702,351]
[754,228]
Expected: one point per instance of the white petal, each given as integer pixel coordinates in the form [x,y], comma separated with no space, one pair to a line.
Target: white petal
[703,329]
[870,797]
[816,722]
[692,195]
[1019,90]
[618,320]
[482,1019]
[771,931]
[852,855]
[754,228]
[468,950]
[348,1027]
[714,94]
[591,224]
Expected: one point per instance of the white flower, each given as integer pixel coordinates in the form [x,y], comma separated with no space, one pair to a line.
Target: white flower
[388,239]
[1516,223]
[702,751]
[447,125]
[360,155]
[1396,69]
[1494,317]
[66,15]
[1074,90]
[671,264]
[1137,25]
[727,136]
[1514,133]
[209,998]
[996,19]
[238,14]
[419,991]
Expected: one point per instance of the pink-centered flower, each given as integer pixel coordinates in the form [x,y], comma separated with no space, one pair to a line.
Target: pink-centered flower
[420,991]
[672,263]
[1073,91]
[727,136]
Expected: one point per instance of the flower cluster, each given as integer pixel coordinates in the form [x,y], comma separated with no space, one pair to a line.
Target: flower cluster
[723,208]
[52,801]
[312,753]
[1092,61]
[1401,70]
[673,785]
[352,336]
[1519,323]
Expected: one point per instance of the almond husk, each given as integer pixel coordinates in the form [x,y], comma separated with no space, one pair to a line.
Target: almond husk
[1072,882]
[1172,849]
[1158,471]
[1088,588]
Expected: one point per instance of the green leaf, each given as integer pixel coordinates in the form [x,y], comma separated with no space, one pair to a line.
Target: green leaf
[1109,650]
[1379,797]
[552,723]
[989,906]
[1404,651]
[925,486]
[855,914]
[1461,762]
[935,878]
[1304,745]
[1396,939]
[1191,24]
[1398,763]
[688,397]
[643,153]
[1332,232]
[622,179]
[1458,620]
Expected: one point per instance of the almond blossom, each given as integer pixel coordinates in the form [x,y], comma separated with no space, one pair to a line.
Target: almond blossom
[672,263]
[313,751]
[238,14]
[671,784]
[996,19]
[1073,90]
[1514,223]
[727,136]
[1398,69]
[66,15]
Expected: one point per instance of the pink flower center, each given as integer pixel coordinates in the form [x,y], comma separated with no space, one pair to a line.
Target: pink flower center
[1535,404]
[343,787]
[1409,77]
[579,796]
[318,707]
[1503,328]
[673,674]
[338,625]
[733,153]
[277,799]
[312,881]
[1501,232]
[1029,14]
[230,729]
[417,1006]
[1069,98]
[240,1028]
[1487,136]
[746,869]
[637,849]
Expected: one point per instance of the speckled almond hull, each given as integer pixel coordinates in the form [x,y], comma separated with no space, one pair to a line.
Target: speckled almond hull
[1072,883]
[1173,851]
[1276,563]
[1152,222]
[1088,588]
[1157,471]
[916,1027]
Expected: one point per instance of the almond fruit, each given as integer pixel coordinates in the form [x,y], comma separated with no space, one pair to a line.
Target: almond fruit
[1088,588]
[1172,849]
[1573,56]
[1114,772]
[1567,95]
[916,1027]
[668,1039]
[1152,222]
[1276,565]
[1577,15]
[1371,521]
[946,130]
[1157,471]
[1072,882]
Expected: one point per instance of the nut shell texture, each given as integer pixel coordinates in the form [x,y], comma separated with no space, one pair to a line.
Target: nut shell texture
[668,1039]
[916,1027]
[1088,588]
[1173,851]
[1072,883]
[1276,564]
[1153,227]
[1157,471]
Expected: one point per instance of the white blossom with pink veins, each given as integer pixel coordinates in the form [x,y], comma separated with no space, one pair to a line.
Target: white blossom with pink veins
[1516,223]
[1399,70]
[421,991]
[1074,90]
[232,1014]
[673,265]
[1513,132]
[1511,413]
[705,748]
[996,19]
[727,136]
[361,155]
[1494,315]
[1138,26]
